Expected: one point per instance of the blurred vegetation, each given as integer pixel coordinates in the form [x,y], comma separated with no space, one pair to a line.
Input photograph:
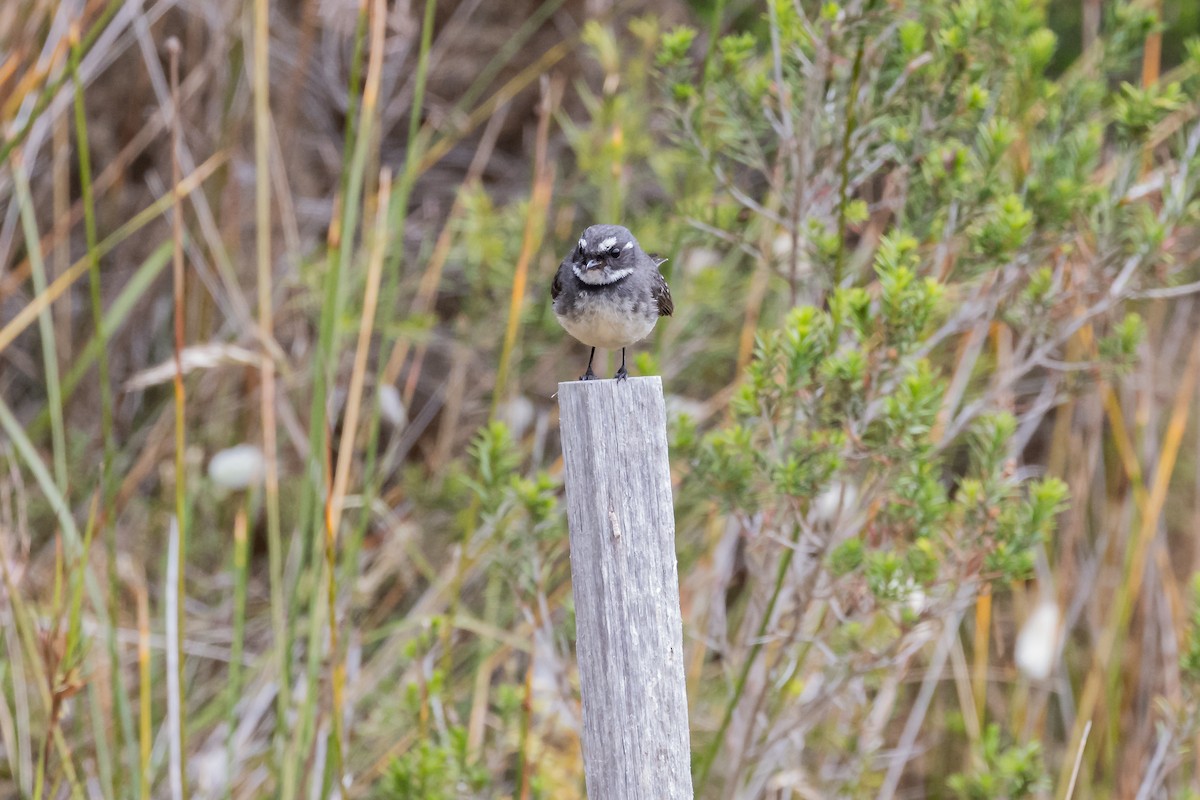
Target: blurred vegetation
[280,493]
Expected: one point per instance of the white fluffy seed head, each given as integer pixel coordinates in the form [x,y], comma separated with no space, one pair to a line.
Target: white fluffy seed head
[237,467]
[916,600]
[830,504]
[391,406]
[1037,643]
[699,259]
[519,414]
[210,771]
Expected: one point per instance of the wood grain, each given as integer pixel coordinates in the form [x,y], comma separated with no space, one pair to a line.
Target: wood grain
[629,633]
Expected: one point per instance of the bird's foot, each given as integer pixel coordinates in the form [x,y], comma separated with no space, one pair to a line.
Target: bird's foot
[622,374]
[588,376]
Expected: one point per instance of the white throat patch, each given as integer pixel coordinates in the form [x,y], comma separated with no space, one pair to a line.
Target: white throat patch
[600,277]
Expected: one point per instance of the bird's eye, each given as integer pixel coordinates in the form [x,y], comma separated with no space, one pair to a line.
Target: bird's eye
[614,252]
[578,252]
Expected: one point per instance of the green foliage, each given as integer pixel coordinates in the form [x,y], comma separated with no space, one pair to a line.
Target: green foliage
[728,457]
[930,178]
[1020,527]
[847,556]
[1004,227]
[675,46]
[1119,348]
[434,770]
[866,413]
[494,457]
[615,137]
[1007,771]
[1190,661]
[906,301]
[488,241]
[1136,110]
[437,765]
[520,513]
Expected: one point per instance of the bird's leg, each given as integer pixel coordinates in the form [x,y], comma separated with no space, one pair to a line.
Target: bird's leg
[589,375]
[622,373]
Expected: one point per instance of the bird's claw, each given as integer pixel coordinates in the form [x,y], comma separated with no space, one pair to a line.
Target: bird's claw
[588,376]
[622,375]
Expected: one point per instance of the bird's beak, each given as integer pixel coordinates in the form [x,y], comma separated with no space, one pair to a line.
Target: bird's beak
[594,263]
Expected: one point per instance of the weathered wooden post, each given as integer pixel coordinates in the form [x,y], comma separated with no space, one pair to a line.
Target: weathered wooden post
[629,632]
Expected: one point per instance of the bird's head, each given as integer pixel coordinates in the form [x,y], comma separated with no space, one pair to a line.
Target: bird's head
[605,254]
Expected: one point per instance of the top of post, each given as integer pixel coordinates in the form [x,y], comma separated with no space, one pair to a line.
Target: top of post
[643,382]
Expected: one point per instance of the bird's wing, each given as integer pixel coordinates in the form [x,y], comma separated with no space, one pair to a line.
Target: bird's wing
[662,294]
[556,287]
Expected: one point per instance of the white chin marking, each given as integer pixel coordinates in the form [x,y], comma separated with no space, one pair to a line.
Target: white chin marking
[607,243]
[600,277]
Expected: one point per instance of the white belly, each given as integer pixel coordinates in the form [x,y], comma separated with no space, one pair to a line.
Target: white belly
[601,325]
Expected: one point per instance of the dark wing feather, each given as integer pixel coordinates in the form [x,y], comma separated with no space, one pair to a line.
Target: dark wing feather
[556,287]
[662,294]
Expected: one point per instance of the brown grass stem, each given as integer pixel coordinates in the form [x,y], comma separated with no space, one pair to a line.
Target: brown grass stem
[1129,590]
[179,733]
[264,273]
[341,479]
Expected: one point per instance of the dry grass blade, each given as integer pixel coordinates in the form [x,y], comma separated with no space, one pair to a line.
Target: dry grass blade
[341,480]
[26,316]
[178,591]
[264,274]
[189,360]
[379,245]
[543,187]
[1129,590]
[145,709]
[1087,729]
[173,607]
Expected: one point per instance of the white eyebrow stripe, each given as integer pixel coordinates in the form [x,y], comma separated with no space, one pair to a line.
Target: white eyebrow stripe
[607,243]
[583,242]
[628,245]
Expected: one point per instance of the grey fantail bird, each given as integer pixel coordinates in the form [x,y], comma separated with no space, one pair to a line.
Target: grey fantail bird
[609,293]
